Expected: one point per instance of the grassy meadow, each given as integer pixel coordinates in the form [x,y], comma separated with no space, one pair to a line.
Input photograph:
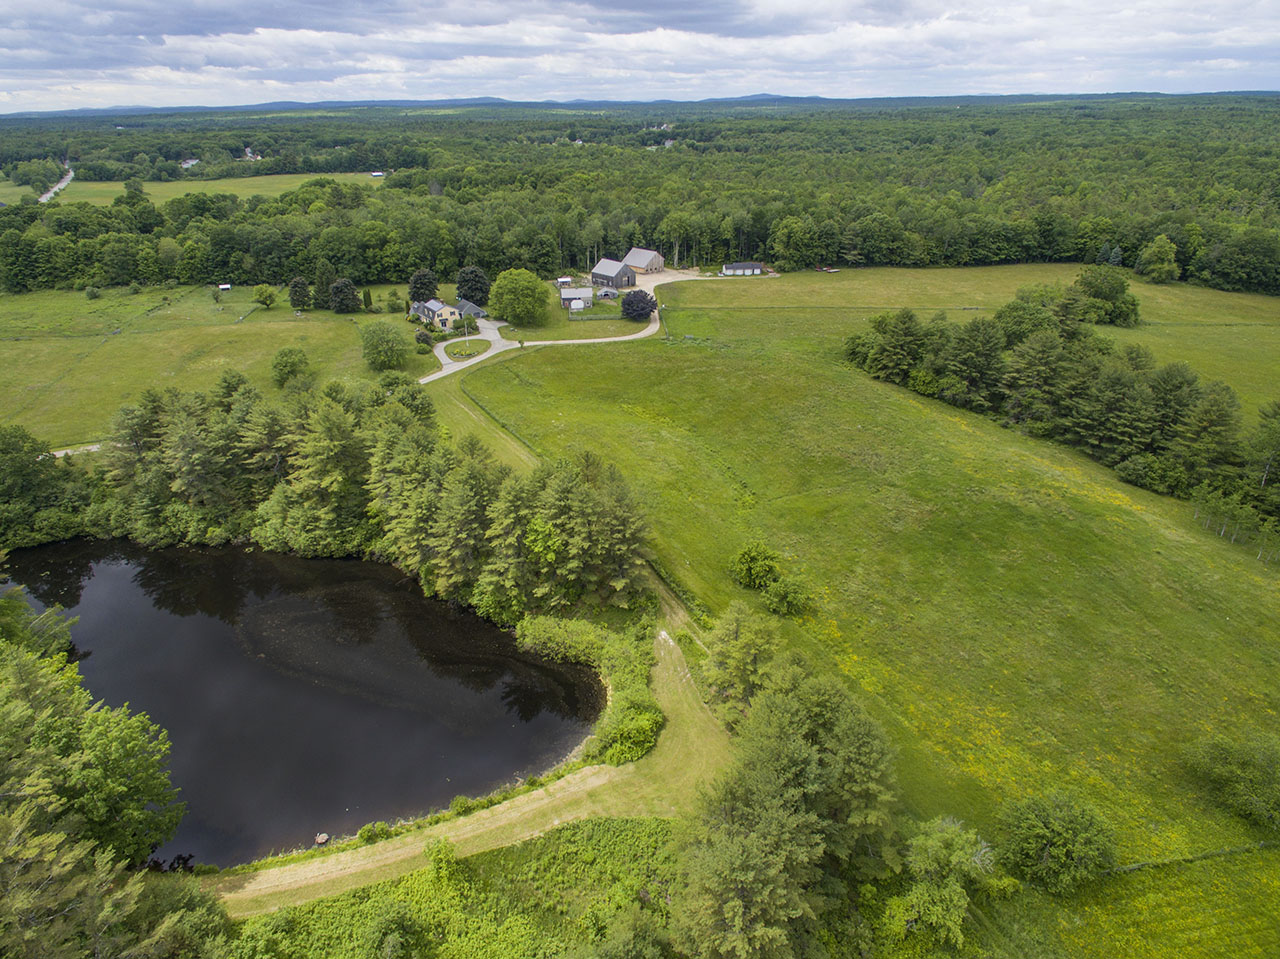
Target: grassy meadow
[1017,617]
[72,362]
[13,192]
[103,192]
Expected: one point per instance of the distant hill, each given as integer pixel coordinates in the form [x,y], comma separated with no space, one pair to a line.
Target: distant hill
[753,100]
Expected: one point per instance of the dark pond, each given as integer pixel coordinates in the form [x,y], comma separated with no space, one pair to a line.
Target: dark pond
[304,696]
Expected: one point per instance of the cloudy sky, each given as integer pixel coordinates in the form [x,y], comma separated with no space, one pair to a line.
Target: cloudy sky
[59,54]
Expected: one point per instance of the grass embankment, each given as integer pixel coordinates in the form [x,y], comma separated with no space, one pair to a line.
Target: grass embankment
[691,748]
[71,362]
[1018,617]
[101,193]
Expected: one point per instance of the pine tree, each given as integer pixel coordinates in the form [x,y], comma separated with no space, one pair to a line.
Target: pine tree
[423,286]
[325,278]
[457,537]
[299,294]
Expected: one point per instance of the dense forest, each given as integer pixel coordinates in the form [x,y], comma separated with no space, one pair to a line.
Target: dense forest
[1039,365]
[1063,180]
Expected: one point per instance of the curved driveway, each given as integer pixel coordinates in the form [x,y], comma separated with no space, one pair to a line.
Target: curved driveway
[490,329]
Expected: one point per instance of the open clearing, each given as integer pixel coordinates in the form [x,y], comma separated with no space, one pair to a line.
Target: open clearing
[72,362]
[103,192]
[691,749]
[1015,615]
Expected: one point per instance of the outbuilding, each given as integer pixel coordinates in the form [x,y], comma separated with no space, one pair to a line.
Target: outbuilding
[742,269]
[612,273]
[644,261]
[571,293]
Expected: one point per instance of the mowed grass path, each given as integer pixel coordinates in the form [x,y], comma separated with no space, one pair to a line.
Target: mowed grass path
[691,749]
[101,193]
[1018,617]
[71,362]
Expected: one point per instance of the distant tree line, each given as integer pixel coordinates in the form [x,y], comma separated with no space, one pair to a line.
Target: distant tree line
[1038,365]
[1172,188]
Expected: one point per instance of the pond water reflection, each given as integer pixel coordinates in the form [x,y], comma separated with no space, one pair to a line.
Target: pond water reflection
[303,696]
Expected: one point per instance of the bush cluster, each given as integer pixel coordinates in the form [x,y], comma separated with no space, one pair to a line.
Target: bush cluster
[629,726]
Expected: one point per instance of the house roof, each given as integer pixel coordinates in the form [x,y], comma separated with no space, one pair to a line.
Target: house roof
[469,308]
[434,305]
[744,266]
[607,267]
[638,256]
[576,293]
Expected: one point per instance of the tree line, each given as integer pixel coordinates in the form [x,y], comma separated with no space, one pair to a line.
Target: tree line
[1038,365]
[84,796]
[339,470]
[913,186]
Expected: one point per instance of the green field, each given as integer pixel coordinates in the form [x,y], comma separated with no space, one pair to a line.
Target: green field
[602,320]
[13,192]
[1016,616]
[103,192]
[72,362]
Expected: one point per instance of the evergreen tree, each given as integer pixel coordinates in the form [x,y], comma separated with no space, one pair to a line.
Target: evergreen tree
[343,297]
[423,286]
[457,537]
[473,285]
[299,294]
[325,278]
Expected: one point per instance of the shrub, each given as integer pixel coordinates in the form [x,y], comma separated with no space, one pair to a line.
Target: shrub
[135,288]
[1056,841]
[92,292]
[382,346]
[1243,776]
[638,305]
[287,364]
[631,722]
[424,336]
[786,596]
[755,566]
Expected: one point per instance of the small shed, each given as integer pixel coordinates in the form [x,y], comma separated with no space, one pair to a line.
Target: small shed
[571,293]
[576,306]
[607,293]
[742,269]
[564,281]
[224,286]
[613,273]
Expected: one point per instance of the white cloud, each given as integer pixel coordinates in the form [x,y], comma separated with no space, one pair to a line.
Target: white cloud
[234,51]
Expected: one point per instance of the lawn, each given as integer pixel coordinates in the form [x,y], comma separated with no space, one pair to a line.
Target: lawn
[604,319]
[103,192]
[1016,616]
[13,192]
[72,362]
